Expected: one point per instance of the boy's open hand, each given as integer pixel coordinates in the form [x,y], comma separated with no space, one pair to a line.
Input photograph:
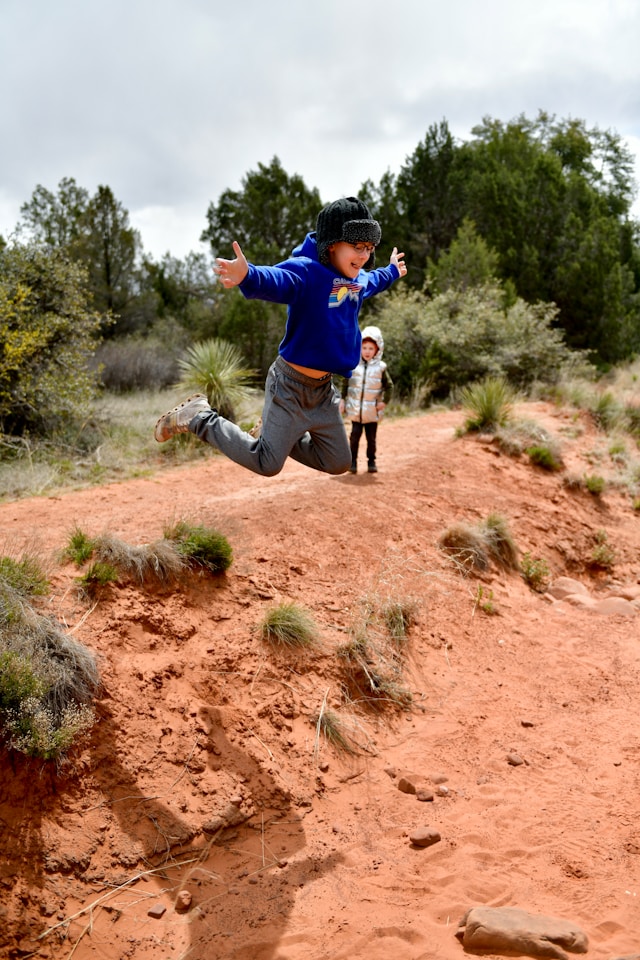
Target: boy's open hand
[397,259]
[232,272]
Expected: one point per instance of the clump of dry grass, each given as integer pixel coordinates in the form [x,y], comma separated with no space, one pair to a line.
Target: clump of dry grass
[336,730]
[474,547]
[371,659]
[159,560]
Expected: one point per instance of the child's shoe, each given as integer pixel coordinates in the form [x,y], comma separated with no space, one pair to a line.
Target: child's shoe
[371,468]
[178,420]
[354,467]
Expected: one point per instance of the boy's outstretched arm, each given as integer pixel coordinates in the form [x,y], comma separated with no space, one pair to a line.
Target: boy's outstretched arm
[397,259]
[232,272]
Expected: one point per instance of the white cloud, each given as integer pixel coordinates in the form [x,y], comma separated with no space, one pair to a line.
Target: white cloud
[170,102]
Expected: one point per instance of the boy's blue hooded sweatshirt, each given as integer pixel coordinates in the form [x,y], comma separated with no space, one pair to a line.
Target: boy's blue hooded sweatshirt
[322,319]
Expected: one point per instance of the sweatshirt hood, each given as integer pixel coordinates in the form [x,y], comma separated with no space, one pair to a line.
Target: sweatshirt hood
[308,248]
[374,333]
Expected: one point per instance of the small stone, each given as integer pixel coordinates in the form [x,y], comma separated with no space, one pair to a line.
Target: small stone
[324,766]
[442,791]
[514,759]
[526,723]
[424,837]
[183,901]
[437,778]
[406,786]
[424,795]
[156,911]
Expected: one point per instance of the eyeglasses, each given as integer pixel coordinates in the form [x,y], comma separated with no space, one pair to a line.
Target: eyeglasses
[363,247]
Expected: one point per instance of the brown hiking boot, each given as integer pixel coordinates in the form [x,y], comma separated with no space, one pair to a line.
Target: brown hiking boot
[256,429]
[178,420]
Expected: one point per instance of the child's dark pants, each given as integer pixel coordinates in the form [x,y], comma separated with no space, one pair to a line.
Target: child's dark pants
[370,431]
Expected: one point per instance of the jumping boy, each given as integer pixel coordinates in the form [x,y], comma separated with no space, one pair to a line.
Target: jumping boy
[324,284]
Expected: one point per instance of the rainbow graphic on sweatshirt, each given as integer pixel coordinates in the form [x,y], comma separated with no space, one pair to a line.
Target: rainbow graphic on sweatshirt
[344,288]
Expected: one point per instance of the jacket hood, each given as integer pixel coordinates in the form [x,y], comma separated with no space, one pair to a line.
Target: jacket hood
[308,248]
[373,333]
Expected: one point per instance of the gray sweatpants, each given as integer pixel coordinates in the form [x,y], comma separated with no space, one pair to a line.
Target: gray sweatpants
[300,419]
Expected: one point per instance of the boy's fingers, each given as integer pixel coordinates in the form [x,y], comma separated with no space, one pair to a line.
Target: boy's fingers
[237,249]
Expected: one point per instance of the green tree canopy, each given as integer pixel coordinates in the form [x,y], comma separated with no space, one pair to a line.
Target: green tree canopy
[268,217]
[47,334]
[95,232]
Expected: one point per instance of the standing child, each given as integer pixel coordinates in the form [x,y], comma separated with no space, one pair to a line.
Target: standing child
[323,284]
[365,395]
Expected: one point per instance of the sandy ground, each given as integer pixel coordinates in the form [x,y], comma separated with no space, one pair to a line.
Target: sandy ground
[204,774]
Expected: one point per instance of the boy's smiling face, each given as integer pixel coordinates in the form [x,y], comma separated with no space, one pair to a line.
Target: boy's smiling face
[349,258]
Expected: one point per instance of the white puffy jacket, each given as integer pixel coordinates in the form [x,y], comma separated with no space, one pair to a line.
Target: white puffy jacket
[368,383]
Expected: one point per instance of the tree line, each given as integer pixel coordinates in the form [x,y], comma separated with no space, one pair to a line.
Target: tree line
[538,209]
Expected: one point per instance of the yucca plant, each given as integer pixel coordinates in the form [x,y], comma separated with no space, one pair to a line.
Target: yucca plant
[489,403]
[216,367]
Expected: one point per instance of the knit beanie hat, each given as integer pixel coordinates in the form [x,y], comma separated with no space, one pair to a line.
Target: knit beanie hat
[346,219]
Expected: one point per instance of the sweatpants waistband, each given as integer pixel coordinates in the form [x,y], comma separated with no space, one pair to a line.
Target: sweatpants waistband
[294,374]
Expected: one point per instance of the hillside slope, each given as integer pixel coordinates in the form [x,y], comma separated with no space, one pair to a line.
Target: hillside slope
[205,775]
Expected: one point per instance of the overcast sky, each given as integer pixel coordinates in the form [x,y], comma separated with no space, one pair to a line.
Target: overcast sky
[171,102]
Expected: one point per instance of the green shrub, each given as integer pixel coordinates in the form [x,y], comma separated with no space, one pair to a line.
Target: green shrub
[25,576]
[18,681]
[47,681]
[464,335]
[34,729]
[595,484]
[48,334]
[137,363]
[333,728]
[535,572]
[546,457]
[603,555]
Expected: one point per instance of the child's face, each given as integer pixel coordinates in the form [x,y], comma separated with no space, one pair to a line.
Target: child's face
[349,258]
[369,350]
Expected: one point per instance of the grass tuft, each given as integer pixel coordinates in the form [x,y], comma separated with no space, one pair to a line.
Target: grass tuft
[26,575]
[79,547]
[202,546]
[289,625]
[160,560]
